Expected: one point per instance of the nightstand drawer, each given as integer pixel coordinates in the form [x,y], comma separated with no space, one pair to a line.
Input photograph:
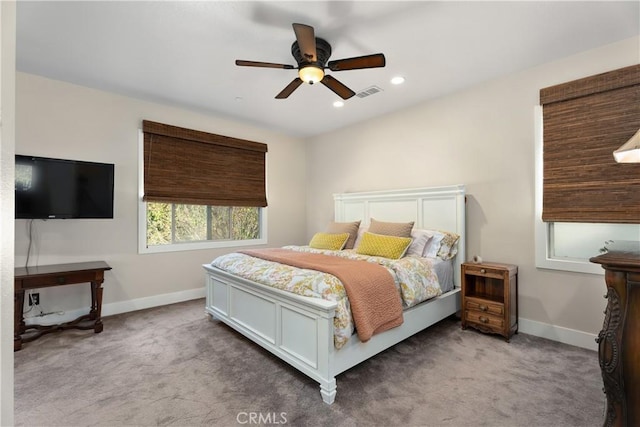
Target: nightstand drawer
[484,306]
[484,270]
[485,320]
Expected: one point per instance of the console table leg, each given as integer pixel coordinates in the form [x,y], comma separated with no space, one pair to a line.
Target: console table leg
[96,306]
[18,319]
[94,299]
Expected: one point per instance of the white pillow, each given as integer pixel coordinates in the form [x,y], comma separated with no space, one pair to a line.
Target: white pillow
[420,240]
[363,228]
[433,245]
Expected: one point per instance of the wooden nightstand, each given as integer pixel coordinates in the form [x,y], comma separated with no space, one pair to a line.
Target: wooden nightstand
[490,298]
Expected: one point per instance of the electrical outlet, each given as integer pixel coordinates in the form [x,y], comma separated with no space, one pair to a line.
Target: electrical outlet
[35,298]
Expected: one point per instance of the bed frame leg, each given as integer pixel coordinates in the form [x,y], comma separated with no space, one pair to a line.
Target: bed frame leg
[328,391]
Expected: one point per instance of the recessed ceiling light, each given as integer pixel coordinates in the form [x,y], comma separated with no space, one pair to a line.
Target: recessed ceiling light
[398,80]
[338,104]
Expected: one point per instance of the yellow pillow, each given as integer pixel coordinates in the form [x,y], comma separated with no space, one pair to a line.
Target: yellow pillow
[385,246]
[329,241]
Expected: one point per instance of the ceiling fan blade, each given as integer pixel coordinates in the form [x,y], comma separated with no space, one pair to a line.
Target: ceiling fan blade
[263,64]
[306,38]
[359,62]
[337,87]
[289,89]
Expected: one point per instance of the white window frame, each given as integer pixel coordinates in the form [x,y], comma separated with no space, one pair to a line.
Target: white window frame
[183,246]
[543,232]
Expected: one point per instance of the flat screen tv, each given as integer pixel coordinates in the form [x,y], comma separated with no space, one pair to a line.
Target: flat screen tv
[55,188]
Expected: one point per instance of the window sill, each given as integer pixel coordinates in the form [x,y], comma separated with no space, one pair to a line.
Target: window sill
[194,246]
[568,264]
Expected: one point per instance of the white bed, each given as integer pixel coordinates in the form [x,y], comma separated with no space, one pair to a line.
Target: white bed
[299,329]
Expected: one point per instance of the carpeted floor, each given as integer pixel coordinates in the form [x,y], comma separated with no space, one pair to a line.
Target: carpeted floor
[173,366]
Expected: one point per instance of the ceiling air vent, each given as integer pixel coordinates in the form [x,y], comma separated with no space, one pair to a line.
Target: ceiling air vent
[368,91]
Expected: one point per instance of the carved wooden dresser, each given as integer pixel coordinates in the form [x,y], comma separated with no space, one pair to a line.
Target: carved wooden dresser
[619,340]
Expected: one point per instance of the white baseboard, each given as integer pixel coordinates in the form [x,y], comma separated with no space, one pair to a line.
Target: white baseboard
[120,307]
[558,333]
[526,326]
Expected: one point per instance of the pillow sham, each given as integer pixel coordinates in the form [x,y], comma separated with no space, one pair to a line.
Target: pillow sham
[443,245]
[432,247]
[345,227]
[329,241]
[399,229]
[383,246]
[361,231]
[420,240]
[448,248]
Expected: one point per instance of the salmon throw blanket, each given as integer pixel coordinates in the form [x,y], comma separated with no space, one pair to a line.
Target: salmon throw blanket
[375,301]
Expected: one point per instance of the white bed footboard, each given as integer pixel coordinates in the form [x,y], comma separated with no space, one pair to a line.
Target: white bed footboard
[297,329]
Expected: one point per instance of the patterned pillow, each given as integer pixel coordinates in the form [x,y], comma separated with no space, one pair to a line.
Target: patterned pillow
[448,248]
[345,227]
[384,246]
[399,229]
[329,241]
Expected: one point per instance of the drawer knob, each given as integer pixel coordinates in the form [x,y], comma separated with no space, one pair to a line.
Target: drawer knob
[484,319]
[482,270]
[60,280]
[483,308]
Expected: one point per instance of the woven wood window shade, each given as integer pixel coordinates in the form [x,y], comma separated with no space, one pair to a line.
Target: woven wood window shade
[584,122]
[191,167]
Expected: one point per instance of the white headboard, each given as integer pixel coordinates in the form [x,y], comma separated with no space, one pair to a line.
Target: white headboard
[436,208]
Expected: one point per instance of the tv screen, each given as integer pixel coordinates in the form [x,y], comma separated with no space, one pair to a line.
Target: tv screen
[56,188]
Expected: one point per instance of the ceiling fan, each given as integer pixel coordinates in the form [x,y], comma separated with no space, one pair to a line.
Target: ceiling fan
[311,53]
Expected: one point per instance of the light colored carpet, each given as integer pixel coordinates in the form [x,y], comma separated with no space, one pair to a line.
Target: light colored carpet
[174,366]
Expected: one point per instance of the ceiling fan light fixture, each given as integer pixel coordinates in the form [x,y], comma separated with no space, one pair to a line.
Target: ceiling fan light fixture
[312,58]
[311,74]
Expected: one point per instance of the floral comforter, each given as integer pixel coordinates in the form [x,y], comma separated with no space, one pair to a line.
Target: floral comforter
[414,277]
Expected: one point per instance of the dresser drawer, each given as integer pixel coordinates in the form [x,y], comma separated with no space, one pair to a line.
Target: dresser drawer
[484,306]
[485,320]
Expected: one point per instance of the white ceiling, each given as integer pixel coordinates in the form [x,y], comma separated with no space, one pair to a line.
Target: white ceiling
[183,53]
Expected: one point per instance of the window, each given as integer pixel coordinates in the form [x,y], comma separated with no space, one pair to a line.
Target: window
[199,190]
[569,245]
[169,223]
[171,227]
[584,198]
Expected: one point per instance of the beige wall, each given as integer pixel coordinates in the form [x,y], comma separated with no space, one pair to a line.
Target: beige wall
[482,137]
[57,119]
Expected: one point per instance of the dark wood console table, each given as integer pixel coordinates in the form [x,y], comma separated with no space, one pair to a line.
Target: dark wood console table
[619,340]
[46,276]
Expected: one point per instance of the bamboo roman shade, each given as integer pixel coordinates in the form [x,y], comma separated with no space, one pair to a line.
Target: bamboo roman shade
[191,167]
[584,122]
